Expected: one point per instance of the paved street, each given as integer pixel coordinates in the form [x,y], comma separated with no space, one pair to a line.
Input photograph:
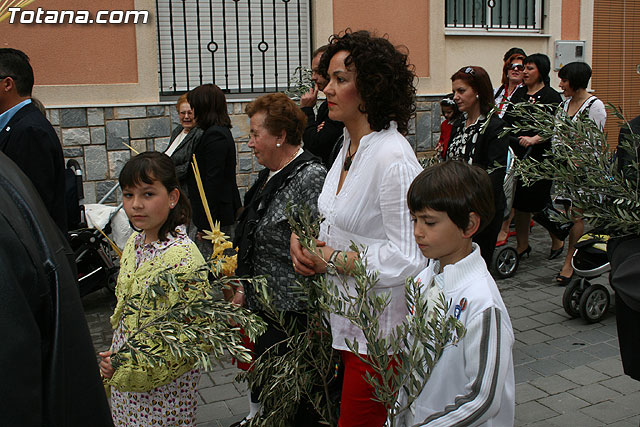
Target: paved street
[568,373]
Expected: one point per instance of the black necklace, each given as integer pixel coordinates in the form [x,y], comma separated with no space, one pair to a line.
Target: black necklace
[348,159]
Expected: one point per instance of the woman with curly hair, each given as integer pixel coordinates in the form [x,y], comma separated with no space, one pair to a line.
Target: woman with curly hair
[371,90]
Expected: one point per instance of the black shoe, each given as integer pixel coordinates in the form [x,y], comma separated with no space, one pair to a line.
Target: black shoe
[525,252]
[555,253]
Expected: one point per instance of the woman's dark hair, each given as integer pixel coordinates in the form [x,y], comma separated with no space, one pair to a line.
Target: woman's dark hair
[479,80]
[513,51]
[281,114]
[209,106]
[447,101]
[454,187]
[384,78]
[542,63]
[577,73]
[321,49]
[155,166]
[507,66]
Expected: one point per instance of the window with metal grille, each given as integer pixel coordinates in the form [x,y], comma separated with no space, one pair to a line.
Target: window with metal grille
[243,46]
[494,14]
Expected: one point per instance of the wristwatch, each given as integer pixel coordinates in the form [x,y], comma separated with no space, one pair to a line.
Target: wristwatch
[332,270]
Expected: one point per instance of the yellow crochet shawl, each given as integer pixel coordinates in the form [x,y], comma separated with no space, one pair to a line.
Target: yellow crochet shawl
[133,376]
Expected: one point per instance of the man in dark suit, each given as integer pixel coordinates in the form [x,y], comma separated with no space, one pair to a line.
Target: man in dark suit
[48,364]
[27,137]
[322,136]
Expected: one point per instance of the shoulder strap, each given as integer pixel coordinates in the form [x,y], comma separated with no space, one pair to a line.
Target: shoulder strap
[586,106]
[590,102]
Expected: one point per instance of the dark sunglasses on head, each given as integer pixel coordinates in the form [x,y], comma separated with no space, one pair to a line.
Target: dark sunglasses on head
[516,67]
[470,71]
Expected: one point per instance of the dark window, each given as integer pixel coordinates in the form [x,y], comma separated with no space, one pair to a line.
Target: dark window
[243,46]
[494,14]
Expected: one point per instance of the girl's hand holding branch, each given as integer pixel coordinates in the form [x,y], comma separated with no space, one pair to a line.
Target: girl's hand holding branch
[105,364]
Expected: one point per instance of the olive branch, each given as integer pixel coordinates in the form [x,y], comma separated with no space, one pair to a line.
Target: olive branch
[308,370]
[584,168]
[199,324]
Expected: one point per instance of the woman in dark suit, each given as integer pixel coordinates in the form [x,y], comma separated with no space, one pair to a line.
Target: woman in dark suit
[533,198]
[216,157]
[477,142]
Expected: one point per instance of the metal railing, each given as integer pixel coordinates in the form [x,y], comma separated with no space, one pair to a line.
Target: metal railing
[494,14]
[243,46]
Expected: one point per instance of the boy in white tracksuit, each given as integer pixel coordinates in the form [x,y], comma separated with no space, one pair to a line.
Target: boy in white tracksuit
[473,382]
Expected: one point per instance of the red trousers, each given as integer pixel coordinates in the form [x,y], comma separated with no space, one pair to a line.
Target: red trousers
[356,408]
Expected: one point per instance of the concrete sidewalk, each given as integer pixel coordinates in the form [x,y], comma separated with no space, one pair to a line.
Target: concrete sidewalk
[568,373]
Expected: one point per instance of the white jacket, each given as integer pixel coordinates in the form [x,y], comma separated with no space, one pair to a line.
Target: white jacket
[371,210]
[473,383]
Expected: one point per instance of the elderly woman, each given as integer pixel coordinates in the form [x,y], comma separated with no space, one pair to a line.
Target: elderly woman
[183,140]
[216,157]
[363,200]
[579,105]
[533,198]
[291,175]
[473,142]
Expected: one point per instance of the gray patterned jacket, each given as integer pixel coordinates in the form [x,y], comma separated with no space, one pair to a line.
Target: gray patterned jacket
[270,255]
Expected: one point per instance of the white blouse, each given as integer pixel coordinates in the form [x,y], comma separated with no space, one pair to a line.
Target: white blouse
[371,210]
[596,110]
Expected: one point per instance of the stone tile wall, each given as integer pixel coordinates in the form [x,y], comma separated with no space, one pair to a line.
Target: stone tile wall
[96,138]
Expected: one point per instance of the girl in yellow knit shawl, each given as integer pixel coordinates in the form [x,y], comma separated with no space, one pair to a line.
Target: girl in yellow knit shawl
[164,394]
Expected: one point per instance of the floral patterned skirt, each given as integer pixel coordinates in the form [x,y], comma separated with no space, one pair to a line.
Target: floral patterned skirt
[172,404]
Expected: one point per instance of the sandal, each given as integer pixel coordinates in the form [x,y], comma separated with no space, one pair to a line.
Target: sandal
[563,280]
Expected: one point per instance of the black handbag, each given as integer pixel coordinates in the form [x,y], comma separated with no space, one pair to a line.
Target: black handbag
[551,219]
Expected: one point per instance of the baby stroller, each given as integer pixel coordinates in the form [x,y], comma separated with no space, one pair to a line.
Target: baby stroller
[97,262]
[505,258]
[581,298]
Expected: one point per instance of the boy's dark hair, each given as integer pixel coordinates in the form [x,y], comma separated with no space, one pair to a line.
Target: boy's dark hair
[209,106]
[155,166]
[454,187]
[577,73]
[14,63]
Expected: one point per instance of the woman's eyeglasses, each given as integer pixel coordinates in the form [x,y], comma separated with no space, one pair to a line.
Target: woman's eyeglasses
[516,67]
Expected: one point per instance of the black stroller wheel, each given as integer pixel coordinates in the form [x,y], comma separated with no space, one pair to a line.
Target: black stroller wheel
[112,279]
[594,303]
[505,262]
[571,297]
